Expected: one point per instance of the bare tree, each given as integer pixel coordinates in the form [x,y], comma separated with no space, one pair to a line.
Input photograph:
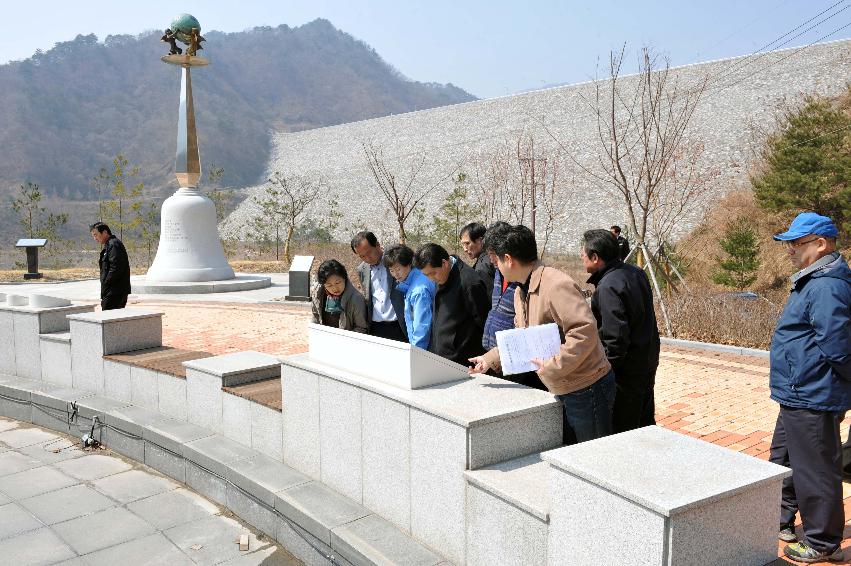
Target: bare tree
[402,195]
[523,181]
[490,182]
[646,158]
[285,205]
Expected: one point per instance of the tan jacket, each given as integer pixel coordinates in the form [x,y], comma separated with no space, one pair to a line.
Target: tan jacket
[555,297]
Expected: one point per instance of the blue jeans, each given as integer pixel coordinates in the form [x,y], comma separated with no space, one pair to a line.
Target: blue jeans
[588,412]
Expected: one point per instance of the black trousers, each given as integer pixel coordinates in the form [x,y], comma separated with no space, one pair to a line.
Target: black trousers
[635,405]
[808,442]
[390,330]
[111,301]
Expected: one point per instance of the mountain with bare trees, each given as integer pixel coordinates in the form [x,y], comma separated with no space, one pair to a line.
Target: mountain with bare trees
[67,112]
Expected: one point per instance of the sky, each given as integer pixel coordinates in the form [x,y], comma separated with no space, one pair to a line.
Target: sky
[488,47]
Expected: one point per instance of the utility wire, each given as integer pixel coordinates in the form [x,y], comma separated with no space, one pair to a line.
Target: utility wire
[752,58]
[791,54]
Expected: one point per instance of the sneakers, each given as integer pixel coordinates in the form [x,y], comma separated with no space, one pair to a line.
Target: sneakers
[787,532]
[802,552]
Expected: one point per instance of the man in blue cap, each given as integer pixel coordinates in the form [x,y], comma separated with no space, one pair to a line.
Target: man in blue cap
[811,380]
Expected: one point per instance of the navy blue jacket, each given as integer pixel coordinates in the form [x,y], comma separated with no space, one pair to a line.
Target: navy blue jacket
[811,347]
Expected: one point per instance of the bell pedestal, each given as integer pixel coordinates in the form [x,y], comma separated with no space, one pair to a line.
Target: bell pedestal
[189,248]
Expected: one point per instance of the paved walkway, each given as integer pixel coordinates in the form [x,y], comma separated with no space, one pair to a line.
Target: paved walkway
[89,291]
[60,504]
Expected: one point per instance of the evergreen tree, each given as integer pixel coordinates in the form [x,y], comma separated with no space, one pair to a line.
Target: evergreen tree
[455,212]
[37,221]
[808,162]
[122,212]
[740,243]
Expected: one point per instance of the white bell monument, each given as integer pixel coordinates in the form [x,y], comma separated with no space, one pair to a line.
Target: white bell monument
[189,248]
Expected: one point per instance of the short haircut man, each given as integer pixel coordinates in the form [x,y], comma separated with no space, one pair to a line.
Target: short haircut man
[385,305]
[461,304]
[114,268]
[579,375]
[626,323]
[501,315]
[472,238]
[810,377]
[623,243]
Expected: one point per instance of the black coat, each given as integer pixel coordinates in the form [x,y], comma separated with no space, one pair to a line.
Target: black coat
[461,307]
[485,267]
[114,269]
[623,306]
[623,247]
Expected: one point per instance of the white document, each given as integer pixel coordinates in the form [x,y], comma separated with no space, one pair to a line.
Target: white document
[519,346]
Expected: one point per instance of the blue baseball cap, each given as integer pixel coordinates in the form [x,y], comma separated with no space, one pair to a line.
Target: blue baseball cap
[808,223]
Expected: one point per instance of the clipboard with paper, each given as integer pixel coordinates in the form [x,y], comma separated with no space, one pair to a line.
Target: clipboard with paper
[519,346]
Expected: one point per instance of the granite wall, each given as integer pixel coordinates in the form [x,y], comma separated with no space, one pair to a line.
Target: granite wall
[742,100]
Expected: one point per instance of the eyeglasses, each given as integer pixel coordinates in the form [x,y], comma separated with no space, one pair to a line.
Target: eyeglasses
[795,245]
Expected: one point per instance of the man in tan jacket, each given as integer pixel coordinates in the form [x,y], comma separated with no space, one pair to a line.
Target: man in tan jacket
[580,376]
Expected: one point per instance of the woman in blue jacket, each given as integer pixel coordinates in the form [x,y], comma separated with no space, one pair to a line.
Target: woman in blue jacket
[419,293]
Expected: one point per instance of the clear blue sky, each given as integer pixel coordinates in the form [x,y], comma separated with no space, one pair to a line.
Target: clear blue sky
[489,47]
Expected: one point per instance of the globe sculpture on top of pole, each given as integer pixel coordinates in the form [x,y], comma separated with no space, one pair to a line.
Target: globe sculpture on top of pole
[189,248]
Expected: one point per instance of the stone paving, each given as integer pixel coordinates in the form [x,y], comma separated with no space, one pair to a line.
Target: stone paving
[61,504]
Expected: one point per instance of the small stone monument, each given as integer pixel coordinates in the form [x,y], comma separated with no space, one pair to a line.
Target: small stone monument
[32,245]
[300,278]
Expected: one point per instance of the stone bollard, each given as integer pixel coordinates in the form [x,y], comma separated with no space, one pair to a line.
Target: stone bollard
[656,497]
[96,334]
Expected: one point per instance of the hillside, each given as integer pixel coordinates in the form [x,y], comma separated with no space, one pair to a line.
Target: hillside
[64,113]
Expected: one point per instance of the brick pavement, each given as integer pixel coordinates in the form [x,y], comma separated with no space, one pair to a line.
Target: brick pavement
[717,397]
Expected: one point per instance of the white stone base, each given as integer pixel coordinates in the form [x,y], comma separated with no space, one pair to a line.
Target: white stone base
[242,282]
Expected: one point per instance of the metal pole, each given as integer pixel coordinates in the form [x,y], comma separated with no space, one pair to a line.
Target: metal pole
[670,332]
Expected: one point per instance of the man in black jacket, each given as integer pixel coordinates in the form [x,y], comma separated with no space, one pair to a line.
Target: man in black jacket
[114,268]
[626,322]
[461,305]
[623,243]
[472,237]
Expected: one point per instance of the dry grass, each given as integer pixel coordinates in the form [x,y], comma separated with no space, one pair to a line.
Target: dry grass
[721,318]
[57,275]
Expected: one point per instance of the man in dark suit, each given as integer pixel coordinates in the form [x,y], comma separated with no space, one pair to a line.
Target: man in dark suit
[114,268]
[472,235]
[461,305]
[384,303]
[623,243]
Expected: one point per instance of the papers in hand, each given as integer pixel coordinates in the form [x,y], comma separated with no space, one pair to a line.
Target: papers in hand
[517,347]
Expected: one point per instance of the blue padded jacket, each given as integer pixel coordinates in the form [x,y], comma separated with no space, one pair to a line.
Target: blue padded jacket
[811,347]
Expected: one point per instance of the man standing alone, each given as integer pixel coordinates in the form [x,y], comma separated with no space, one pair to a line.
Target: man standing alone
[623,243]
[623,307]
[114,268]
[811,380]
